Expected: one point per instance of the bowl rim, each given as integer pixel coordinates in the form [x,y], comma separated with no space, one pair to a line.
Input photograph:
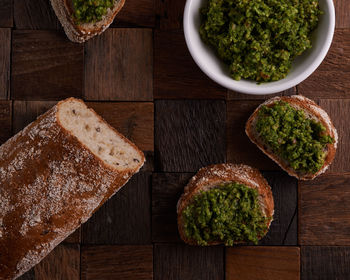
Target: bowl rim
[271,88]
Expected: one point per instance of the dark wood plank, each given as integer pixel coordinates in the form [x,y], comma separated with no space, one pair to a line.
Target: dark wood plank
[117,262]
[232,95]
[284,228]
[62,263]
[331,79]
[74,238]
[36,14]
[119,65]
[136,13]
[170,13]
[5,57]
[176,261]
[5,120]
[125,218]
[175,73]
[263,263]
[239,147]
[166,191]
[342,11]
[133,119]
[324,217]
[324,263]
[45,66]
[339,111]
[29,275]
[189,134]
[6,13]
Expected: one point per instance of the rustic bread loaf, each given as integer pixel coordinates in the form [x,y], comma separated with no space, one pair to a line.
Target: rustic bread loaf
[214,175]
[54,175]
[81,32]
[312,111]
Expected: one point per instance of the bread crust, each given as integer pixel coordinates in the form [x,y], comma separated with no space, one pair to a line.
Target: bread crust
[50,185]
[213,175]
[312,110]
[82,32]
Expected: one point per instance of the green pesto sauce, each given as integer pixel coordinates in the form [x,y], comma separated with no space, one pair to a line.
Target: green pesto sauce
[259,39]
[90,11]
[295,138]
[228,213]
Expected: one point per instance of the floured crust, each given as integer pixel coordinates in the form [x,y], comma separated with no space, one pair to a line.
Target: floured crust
[312,110]
[50,185]
[214,175]
[81,33]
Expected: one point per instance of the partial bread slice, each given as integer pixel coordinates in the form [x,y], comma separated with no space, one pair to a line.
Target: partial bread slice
[81,32]
[214,175]
[312,111]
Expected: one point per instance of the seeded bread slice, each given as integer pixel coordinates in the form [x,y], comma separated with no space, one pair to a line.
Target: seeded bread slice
[214,175]
[79,33]
[312,111]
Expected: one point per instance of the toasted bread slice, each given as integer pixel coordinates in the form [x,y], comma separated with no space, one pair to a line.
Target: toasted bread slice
[79,33]
[312,111]
[211,176]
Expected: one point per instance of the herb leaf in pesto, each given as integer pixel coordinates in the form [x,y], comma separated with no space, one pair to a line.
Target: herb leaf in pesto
[298,140]
[259,39]
[90,11]
[228,213]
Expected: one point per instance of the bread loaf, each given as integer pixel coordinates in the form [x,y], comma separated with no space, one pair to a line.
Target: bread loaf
[54,175]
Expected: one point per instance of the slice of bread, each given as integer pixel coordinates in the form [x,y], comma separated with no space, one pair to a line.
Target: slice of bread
[214,175]
[312,111]
[79,33]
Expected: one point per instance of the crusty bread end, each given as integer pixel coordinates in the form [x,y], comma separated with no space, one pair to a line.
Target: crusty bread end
[312,111]
[82,32]
[214,175]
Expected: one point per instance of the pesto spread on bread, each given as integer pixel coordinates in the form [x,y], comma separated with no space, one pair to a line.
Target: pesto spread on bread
[297,139]
[90,11]
[228,213]
[258,39]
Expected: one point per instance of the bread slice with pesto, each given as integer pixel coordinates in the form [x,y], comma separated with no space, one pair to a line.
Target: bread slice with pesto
[296,133]
[80,28]
[225,204]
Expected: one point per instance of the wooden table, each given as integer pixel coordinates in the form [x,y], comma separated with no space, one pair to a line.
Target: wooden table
[141,78]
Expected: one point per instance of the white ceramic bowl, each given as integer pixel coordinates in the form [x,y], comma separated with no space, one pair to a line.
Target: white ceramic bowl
[302,67]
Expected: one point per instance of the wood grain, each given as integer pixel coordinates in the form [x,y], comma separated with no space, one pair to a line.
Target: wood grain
[232,95]
[120,71]
[45,66]
[170,13]
[6,13]
[36,14]
[324,217]
[133,119]
[342,11]
[125,218]
[284,228]
[339,112]
[62,263]
[263,263]
[324,263]
[166,191]
[117,262]
[175,261]
[239,147]
[29,275]
[175,73]
[331,79]
[189,134]
[136,13]
[5,57]
[5,120]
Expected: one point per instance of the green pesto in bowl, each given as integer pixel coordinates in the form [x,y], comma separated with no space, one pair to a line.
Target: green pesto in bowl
[294,137]
[90,11]
[228,214]
[259,39]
